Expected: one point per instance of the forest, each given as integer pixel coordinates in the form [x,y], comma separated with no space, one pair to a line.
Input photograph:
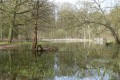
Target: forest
[19,17]
[48,40]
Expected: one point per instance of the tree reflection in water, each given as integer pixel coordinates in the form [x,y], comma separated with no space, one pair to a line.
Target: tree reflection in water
[89,64]
[71,62]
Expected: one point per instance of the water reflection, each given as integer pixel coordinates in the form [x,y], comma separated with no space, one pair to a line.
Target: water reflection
[71,62]
[24,65]
[88,64]
[74,72]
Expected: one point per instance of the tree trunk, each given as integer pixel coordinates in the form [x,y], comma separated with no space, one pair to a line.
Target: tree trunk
[10,35]
[11,28]
[13,25]
[2,33]
[115,35]
[34,45]
[116,38]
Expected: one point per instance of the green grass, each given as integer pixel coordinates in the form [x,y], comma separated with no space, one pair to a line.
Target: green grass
[4,43]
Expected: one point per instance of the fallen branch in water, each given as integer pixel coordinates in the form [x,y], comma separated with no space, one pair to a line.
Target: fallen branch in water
[44,49]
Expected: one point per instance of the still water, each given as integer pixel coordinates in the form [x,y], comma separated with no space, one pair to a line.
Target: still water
[72,61]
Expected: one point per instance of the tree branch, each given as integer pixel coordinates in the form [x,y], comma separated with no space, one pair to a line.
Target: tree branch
[25,11]
[4,10]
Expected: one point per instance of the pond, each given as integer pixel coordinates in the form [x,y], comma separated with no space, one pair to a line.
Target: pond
[72,61]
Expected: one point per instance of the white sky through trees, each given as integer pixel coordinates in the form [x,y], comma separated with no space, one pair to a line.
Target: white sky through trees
[70,1]
[105,2]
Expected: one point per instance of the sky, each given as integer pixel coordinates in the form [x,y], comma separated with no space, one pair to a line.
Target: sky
[70,1]
[61,1]
[73,1]
[106,2]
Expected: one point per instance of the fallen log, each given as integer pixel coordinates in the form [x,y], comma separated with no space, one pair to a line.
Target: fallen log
[44,49]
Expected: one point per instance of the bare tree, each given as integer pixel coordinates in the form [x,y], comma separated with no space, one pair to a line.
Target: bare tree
[41,13]
[13,9]
[103,19]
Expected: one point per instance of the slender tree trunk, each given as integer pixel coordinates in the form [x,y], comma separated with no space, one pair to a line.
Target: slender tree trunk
[34,45]
[11,28]
[11,31]
[10,34]
[2,33]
